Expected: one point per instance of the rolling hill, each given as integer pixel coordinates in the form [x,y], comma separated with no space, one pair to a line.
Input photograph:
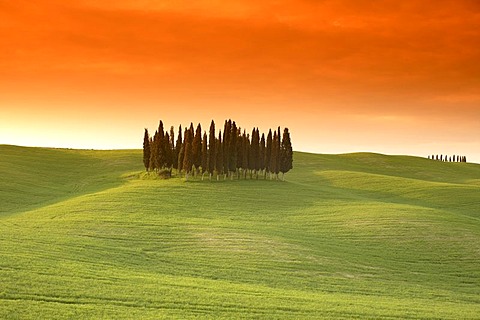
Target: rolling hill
[85,234]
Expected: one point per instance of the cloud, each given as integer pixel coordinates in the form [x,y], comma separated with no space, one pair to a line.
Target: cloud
[379,51]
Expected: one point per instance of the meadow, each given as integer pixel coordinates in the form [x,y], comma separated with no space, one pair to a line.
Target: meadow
[87,234]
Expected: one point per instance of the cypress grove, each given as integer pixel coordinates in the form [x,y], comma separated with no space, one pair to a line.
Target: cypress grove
[231,154]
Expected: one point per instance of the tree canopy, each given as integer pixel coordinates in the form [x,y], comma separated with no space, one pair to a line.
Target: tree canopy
[233,153]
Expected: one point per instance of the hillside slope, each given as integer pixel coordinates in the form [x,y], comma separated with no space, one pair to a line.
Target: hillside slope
[346,236]
[32,177]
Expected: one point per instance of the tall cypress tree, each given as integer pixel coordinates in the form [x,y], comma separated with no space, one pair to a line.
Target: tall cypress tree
[279,146]
[227,128]
[168,151]
[197,148]
[254,151]
[188,154]
[146,150]
[286,153]
[247,152]
[274,155]
[232,149]
[154,152]
[181,156]
[261,154]
[268,153]
[204,154]
[240,147]
[178,146]
[160,148]
[219,155]
[211,149]
[172,144]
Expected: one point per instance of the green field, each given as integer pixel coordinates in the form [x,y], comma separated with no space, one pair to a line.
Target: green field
[85,234]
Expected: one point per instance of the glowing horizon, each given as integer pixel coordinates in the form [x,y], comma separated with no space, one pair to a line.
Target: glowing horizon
[343,76]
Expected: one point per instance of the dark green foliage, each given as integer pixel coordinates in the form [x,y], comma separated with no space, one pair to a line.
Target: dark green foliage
[168,151]
[261,154]
[153,151]
[204,154]
[211,148]
[197,148]
[286,153]
[279,138]
[146,150]
[232,153]
[268,153]
[240,148]
[227,127]
[178,147]
[274,155]
[246,154]
[181,154]
[188,154]
[172,143]
[219,155]
[161,152]
[254,151]
[232,148]
[243,155]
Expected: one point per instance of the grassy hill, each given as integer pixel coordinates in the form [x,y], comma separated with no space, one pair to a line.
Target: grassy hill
[84,235]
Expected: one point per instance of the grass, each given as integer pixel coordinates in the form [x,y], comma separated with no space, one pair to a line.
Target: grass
[84,235]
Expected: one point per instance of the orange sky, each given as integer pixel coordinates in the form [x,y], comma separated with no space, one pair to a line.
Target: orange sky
[397,77]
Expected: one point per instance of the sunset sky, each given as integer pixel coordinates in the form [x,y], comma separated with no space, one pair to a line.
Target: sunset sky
[395,77]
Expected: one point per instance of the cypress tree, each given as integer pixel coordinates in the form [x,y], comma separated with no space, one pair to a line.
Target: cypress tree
[268,153]
[227,128]
[219,155]
[286,153]
[274,156]
[204,164]
[178,146]
[154,152]
[279,146]
[261,154]
[240,147]
[197,148]
[188,154]
[232,150]
[181,154]
[146,150]
[161,158]
[172,144]
[168,151]
[248,166]
[254,149]
[211,149]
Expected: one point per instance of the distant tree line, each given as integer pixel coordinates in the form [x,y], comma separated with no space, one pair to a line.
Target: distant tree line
[446,158]
[231,154]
